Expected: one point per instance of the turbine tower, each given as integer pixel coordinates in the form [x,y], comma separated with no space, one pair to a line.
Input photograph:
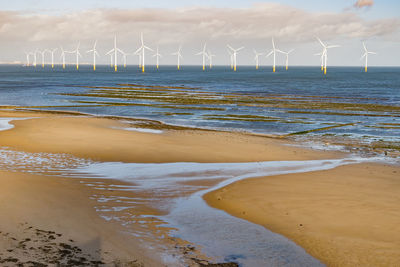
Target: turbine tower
[63,57]
[141,50]
[124,55]
[77,53]
[42,53]
[52,56]
[111,59]
[325,52]
[140,59]
[210,57]
[273,51]
[35,58]
[366,52]
[234,54]
[322,54]
[179,56]
[27,58]
[231,58]
[157,55]
[204,54]
[115,50]
[256,58]
[94,51]
[287,57]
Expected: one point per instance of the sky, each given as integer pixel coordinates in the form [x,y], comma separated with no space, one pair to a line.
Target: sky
[27,25]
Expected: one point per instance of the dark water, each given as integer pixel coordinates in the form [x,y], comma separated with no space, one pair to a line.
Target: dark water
[361,105]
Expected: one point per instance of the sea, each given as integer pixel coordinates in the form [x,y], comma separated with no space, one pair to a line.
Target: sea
[346,106]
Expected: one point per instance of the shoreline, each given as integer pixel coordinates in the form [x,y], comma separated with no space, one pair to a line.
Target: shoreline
[80,137]
[346,216]
[319,143]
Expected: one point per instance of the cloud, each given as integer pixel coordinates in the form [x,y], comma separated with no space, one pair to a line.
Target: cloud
[364,3]
[188,26]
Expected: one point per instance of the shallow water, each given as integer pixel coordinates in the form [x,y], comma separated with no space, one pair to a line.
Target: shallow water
[346,102]
[170,188]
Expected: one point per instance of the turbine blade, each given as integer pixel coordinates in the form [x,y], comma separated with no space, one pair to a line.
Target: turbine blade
[230,47]
[239,48]
[270,53]
[321,42]
[332,46]
[364,47]
[148,48]
[363,56]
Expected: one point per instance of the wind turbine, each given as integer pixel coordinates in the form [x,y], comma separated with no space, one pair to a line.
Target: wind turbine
[77,53]
[157,55]
[111,60]
[42,55]
[231,58]
[27,58]
[366,52]
[325,52]
[141,50]
[35,58]
[94,51]
[52,56]
[322,54]
[63,56]
[140,59]
[273,51]
[234,54]
[210,56]
[204,54]
[179,56]
[287,57]
[124,57]
[115,50]
[256,57]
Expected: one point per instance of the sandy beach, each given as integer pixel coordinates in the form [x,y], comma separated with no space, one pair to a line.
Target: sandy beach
[347,216]
[301,207]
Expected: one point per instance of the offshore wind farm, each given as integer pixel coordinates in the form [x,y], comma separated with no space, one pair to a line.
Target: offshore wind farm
[115,53]
[213,133]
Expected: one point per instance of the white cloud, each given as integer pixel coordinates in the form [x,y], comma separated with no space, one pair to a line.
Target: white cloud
[190,26]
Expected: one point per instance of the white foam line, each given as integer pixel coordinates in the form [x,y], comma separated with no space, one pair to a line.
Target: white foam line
[166,175]
[6,125]
[142,130]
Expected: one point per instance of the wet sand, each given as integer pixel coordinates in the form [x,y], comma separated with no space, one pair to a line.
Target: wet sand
[347,216]
[52,220]
[103,139]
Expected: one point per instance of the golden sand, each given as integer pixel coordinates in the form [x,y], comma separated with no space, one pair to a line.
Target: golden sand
[347,216]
